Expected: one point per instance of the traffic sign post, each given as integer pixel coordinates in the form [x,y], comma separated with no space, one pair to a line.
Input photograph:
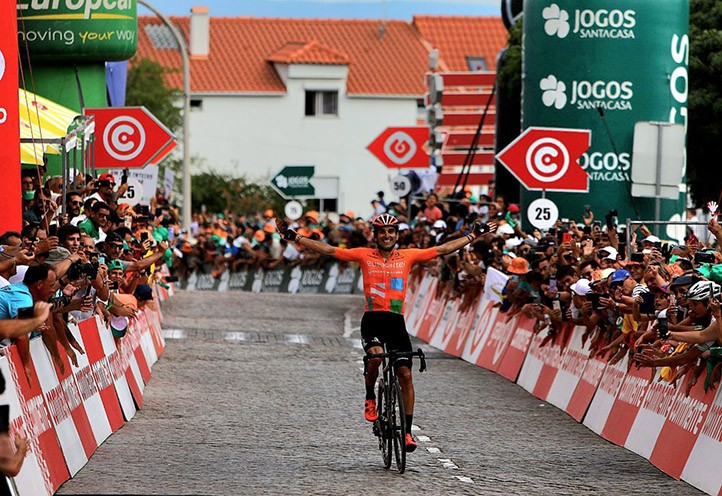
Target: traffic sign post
[294,181]
[401,147]
[547,159]
[401,185]
[129,137]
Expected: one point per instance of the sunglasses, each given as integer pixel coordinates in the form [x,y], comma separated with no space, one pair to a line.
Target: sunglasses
[76,202]
[115,246]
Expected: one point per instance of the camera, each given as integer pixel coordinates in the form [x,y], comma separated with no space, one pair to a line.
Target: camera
[79,269]
[611,219]
[594,298]
[26,313]
[637,257]
[702,257]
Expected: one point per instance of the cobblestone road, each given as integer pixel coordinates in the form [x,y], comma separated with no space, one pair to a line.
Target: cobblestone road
[262,394]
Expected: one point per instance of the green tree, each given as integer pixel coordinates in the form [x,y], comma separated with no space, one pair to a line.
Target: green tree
[704,175]
[147,86]
[219,192]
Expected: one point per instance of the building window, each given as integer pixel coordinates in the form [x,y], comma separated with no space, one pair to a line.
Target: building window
[476,63]
[321,103]
[196,104]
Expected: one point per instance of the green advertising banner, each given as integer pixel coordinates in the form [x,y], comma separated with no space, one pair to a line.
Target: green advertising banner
[605,65]
[78,30]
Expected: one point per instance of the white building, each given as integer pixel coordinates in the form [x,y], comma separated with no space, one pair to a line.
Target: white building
[269,93]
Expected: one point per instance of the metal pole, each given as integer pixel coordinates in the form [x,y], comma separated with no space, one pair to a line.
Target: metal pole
[658,180]
[183,48]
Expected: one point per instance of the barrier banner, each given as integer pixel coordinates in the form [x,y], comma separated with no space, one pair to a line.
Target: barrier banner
[71,423]
[684,420]
[134,359]
[447,325]
[479,333]
[627,405]
[35,477]
[466,321]
[120,378]
[420,304]
[570,367]
[702,469]
[416,281]
[342,279]
[432,315]
[540,366]
[586,387]
[516,351]
[496,341]
[603,401]
[147,346]
[237,281]
[152,320]
[90,339]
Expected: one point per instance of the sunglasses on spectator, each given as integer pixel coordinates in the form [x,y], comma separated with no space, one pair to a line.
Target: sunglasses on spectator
[76,202]
[117,246]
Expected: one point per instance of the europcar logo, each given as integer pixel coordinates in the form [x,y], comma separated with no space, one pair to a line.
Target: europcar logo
[584,95]
[588,23]
[57,10]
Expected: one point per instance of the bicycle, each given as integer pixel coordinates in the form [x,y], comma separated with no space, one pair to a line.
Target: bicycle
[390,427]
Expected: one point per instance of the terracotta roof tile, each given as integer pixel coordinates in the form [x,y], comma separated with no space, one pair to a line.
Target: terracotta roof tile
[392,64]
[457,37]
[312,52]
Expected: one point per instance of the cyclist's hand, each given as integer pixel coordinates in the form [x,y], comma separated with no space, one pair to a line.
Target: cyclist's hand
[283,228]
[480,228]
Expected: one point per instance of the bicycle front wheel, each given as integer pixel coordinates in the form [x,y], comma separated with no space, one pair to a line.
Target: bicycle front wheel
[384,430]
[398,422]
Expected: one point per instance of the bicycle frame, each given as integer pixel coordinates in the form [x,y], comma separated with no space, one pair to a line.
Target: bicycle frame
[390,427]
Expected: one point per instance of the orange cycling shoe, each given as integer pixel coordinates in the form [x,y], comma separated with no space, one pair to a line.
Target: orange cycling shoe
[410,443]
[370,411]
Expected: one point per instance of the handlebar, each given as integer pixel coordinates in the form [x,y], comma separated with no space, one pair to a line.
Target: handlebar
[393,355]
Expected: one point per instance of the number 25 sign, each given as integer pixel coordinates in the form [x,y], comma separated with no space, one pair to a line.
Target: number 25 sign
[542,213]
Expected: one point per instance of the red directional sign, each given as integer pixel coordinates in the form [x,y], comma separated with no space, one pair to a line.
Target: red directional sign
[128,137]
[544,158]
[402,147]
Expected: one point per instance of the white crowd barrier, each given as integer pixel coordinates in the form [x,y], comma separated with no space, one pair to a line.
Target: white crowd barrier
[66,416]
[631,407]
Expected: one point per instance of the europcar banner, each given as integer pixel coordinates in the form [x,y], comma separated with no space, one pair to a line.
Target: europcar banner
[605,65]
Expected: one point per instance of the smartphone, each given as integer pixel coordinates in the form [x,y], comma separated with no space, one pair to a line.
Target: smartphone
[143,236]
[552,285]
[637,257]
[663,328]
[647,305]
[566,237]
[597,225]
[556,305]
[101,259]
[587,230]
[4,418]
[702,257]
[113,285]
[26,313]
[171,279]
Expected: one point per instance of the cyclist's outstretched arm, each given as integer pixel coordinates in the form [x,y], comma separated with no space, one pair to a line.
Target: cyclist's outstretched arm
[310,244]
[478,229]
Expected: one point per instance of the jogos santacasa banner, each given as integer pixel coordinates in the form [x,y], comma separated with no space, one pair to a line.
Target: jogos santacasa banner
[617,61]
[78,30]
[9,121]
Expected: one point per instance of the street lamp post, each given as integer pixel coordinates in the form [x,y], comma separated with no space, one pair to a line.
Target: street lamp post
[183,47]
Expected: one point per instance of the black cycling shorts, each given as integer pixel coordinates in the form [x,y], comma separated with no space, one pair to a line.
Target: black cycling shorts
[379,328]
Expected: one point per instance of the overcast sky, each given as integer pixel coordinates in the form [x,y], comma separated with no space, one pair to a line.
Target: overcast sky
[359,9]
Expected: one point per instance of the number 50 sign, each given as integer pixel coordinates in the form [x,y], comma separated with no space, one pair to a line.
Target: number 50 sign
[542,213]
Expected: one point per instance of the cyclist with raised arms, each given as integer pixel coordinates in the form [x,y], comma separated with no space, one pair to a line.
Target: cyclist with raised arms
[385,272]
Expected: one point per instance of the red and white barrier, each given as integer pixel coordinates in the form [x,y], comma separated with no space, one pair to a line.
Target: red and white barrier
[66,416]
[680,434]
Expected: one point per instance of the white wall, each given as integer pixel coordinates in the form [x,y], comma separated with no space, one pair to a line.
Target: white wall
[258,135]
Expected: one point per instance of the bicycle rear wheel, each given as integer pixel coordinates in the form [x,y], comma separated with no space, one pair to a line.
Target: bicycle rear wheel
[398,422]
[384,431]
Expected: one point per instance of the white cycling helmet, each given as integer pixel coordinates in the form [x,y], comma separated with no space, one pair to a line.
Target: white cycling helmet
[703,290]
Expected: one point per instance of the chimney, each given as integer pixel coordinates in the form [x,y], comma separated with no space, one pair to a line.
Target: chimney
[200,33]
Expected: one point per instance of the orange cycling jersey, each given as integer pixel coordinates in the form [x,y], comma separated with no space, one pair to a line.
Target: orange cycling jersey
[385,282]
